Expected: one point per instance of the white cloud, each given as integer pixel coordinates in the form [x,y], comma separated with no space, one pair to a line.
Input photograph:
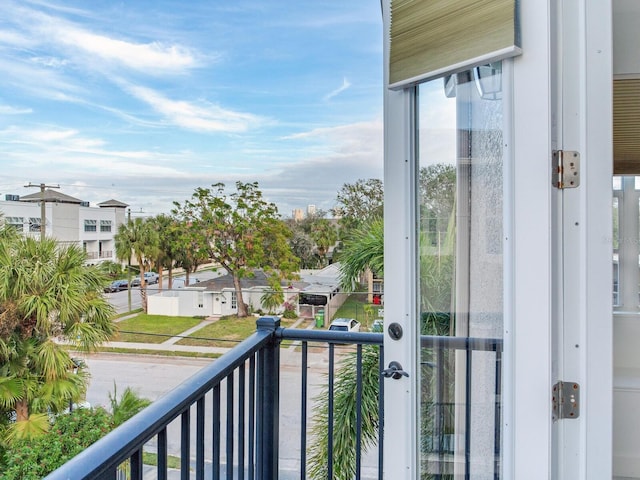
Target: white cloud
[149,58]
[204,117]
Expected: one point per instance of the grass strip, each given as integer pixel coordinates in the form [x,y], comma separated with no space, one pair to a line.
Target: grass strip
[153,328]
[149,458]
[159,353]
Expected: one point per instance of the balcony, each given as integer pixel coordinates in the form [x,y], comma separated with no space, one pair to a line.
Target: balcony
[227,419]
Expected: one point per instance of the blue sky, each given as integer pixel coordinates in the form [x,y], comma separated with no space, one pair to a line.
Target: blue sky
[143,101]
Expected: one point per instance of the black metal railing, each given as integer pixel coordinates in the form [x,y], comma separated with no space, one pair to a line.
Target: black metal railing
[224,422]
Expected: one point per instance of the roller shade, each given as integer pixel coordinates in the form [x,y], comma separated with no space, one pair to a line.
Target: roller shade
[430,38]
[626,126]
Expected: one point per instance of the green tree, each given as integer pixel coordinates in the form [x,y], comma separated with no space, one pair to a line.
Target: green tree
[46,291]
[191,251]
[128,405]
[359,202]
[303,247]
[437,184]
[362,250]
[344,414]
[274,297]
[165,251]
[325,236]
[241,232]
[139,239]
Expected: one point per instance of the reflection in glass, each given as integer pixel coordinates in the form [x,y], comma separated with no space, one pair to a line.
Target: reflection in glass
[460,145]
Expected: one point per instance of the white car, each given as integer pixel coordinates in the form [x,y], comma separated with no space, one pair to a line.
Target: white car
[345,325]
[151,277]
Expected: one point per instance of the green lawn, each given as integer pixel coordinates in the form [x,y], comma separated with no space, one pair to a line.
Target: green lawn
[164,327]
[226,332]
[356,307]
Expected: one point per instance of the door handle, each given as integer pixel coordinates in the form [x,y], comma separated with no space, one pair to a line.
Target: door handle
[394,370]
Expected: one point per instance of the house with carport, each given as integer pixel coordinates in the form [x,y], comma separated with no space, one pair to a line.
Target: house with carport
[217,297]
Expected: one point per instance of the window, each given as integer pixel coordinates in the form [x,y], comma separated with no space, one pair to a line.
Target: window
[234,301]
[105,225]
[90,225]
[34,224]
[200,299]
[460,268]
[625,241]
[15,223]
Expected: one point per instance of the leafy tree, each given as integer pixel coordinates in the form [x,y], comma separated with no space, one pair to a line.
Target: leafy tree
[138,238]
[303,247]
[46,291]
[359,202]
[437,184]
[239,231]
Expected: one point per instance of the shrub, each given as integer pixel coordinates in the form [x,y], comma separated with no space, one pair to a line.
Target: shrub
[70,433]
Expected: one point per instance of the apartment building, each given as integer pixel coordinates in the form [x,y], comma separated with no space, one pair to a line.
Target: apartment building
[68,220]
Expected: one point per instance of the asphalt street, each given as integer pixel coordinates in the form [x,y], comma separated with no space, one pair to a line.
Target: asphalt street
[152,377]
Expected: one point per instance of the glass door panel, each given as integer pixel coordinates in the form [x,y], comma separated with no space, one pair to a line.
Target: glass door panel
[460,265]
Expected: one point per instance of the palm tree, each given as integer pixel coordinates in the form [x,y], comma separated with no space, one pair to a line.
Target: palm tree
[363,250]
[128,405]
[345,412]
[46,292]
[324,235]
[138,239]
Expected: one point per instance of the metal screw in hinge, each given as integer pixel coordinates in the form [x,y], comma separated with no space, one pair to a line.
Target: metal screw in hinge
[566,169]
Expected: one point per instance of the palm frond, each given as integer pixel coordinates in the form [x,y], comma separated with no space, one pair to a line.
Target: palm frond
[37,424]
[364,249]
[345,415]
[11,390]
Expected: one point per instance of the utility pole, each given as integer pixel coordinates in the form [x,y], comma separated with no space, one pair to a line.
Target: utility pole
[43,212]
[129,264]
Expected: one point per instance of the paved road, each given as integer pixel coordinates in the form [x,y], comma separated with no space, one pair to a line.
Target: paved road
[152,377]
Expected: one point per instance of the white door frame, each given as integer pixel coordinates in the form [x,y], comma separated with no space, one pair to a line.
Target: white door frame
[557,266]
[583,328]
[401,452]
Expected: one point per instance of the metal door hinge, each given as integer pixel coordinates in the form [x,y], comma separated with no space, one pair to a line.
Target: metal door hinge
[566,400]
[565,171]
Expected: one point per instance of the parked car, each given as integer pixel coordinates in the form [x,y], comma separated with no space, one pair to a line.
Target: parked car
[151,277]
[116,286]
[345,325]
[135,282]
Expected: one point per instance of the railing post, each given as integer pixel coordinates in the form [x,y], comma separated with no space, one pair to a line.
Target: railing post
[268,404]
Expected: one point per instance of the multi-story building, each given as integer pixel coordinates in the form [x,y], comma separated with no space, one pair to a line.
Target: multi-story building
[68,220]
[297,214]
[311,210]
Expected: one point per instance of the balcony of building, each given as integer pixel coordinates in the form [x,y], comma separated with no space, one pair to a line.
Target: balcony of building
[231,421]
